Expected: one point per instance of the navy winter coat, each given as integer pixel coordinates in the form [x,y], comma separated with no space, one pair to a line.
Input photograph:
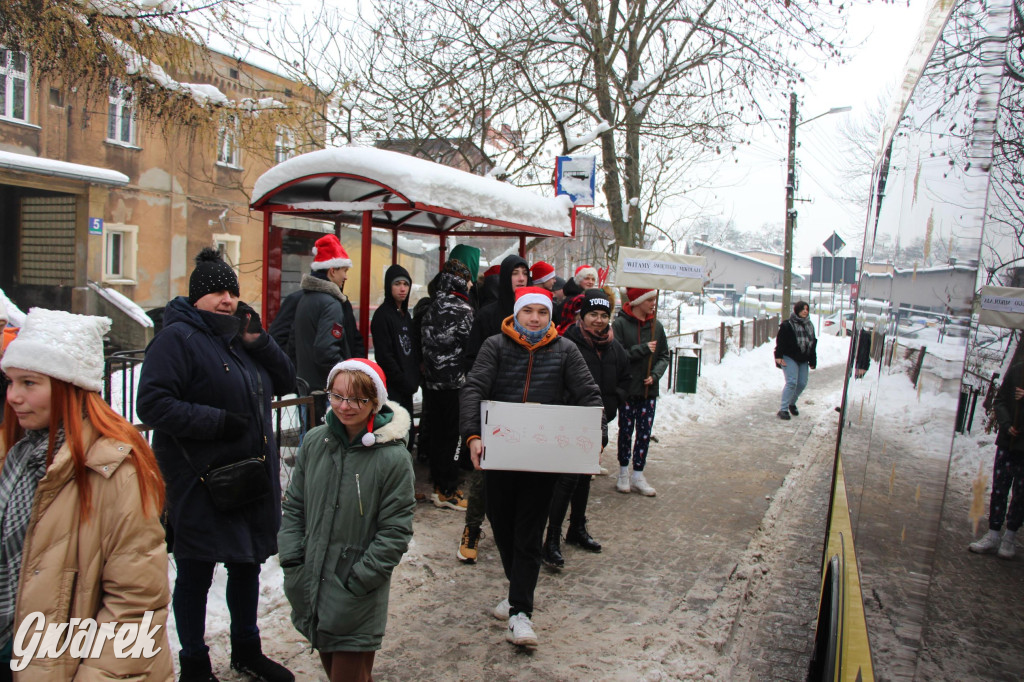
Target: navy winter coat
[192,379]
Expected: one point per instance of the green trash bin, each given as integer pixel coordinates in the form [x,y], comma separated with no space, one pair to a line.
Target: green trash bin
[686,374]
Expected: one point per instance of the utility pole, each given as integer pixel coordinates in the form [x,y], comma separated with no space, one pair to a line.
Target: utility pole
[787,254]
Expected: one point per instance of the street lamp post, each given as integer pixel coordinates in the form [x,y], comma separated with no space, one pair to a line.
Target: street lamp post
[787,254]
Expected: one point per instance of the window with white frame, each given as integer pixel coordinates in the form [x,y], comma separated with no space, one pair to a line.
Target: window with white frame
[120,246]
[120,115]
[227,142]
[230,248]
[284,147]
[13,85]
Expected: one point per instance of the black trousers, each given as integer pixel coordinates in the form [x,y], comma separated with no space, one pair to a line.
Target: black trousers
[518,503]
[570,488]
[440,437]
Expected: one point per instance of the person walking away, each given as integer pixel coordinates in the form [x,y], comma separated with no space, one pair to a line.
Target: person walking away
[638,330]
[80,503]
[795,353]
[527,363]
[206,387]
[444,334]
[320,331]
[393,346]
[606,359]
[348,520]
[1007,469]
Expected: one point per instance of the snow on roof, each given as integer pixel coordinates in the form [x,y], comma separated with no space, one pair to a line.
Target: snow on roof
[946,268]
[751,259]
[61,169]
[123,303]
[423,182]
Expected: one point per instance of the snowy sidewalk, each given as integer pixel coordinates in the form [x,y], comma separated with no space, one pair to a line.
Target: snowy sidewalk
[715,578]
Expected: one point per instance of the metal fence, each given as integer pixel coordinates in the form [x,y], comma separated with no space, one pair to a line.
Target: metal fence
[712,344]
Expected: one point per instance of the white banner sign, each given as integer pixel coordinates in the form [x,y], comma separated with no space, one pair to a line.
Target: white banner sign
[1002,307]
[651,269]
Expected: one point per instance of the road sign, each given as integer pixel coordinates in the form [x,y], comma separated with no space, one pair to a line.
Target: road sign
[834,244]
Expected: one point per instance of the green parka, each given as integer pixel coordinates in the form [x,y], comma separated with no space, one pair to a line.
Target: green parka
[634,336]
[347,521]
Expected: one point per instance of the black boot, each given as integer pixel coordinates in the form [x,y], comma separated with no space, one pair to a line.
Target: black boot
[578,535]
[247,658]
[552,554]
[195,668]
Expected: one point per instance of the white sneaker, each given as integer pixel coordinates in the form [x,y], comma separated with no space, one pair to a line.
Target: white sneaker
[988,543]
[1008,547]
[638,483]
[622,484]
[520,631]
[501,610]
[602,472]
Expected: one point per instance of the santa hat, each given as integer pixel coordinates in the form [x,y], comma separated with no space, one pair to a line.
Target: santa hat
[584,271]
[60,345]
[493,270]
[542,272]
[532,295]
[329,253]
[376,374]
[637,296]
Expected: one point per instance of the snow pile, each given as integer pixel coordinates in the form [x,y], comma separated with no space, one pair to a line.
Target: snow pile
[61,169]
[424,182]
[123,303]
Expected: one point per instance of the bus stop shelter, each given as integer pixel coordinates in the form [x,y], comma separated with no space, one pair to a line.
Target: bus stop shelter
[381,189]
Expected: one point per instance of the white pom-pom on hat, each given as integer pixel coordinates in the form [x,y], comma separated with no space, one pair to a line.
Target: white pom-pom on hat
[368,438]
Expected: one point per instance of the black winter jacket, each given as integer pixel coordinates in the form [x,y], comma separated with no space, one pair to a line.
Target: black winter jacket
[610,370]
[507,370]
[191,380]
[393,347]
[1010,411]
[634,336]
[489,318]
[786,345]
[319,332]
[444,333]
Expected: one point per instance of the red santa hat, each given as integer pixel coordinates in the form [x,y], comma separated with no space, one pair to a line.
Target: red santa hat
[532,295]
[636,296]
[329,253]
[584,271]
[493,270]
[376,374]
[542,272]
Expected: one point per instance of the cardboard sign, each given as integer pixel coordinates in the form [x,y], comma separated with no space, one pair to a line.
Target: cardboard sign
[562,439]
[1002,307]
[653,270]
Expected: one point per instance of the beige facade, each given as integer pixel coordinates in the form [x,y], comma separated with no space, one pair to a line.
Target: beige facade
[185,188]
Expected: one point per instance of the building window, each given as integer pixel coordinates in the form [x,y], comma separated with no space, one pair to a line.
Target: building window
[13,85]
[284,147]
[227,142]
[230,248]
[120,115]
[119,252]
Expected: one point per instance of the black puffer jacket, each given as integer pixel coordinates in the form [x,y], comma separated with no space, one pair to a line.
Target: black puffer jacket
[393,346]
[610,369]
[192,379]
[552,373]
[1009,410]
[489,318]
[444,333]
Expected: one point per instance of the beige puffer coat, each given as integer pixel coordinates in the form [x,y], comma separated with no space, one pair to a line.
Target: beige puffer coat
[111,568]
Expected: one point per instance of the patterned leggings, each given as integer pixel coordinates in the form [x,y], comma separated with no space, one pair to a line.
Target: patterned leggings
[1007,475]
[639,413]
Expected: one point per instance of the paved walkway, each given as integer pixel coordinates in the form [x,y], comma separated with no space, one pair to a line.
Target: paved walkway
[715,578]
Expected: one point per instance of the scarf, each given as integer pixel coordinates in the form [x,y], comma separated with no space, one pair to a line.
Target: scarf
[24,467]
[532,338]
[597,341]
[803,328]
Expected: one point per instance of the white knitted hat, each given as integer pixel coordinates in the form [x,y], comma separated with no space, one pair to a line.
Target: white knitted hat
[3,313]
[60,345]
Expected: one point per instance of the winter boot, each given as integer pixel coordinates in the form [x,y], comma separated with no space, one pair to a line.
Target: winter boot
[1008,547]
[578,535]
[552,553]
[784,414]
[988,543]
[467,547]
[639,484]
[793,411]
[195,668]
[622,485]
[247,658]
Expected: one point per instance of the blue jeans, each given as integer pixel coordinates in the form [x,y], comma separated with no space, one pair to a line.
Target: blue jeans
[796,381]
[191,587]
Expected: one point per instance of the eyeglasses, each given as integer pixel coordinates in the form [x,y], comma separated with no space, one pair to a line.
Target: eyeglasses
[354,402]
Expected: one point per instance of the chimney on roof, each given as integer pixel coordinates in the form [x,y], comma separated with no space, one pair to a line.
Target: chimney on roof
[952,260]
[704,237]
